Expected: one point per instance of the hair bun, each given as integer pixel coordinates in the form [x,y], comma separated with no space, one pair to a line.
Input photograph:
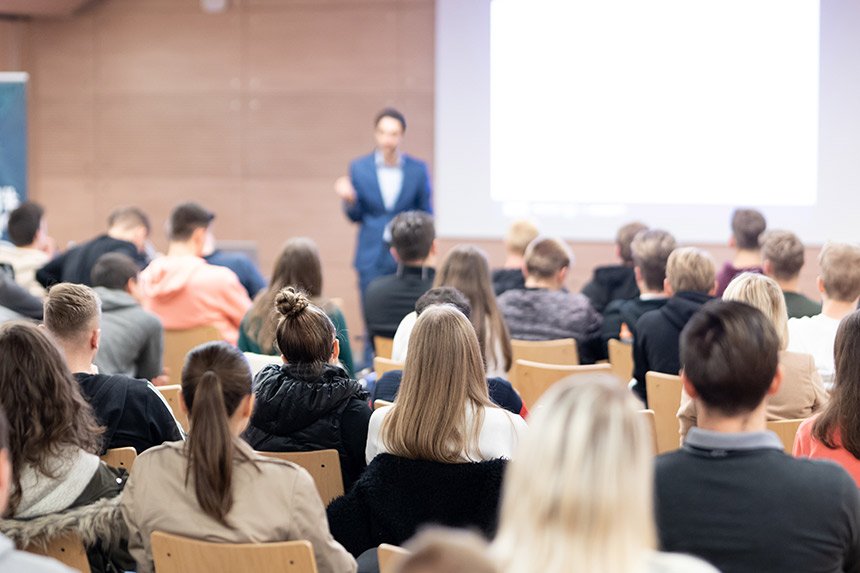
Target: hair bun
[290,303]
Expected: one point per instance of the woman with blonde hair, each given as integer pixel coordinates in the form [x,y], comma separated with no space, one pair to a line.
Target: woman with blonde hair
[591,508]
[802,393]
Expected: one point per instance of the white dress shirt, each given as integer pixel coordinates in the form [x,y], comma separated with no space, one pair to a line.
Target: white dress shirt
[390,179]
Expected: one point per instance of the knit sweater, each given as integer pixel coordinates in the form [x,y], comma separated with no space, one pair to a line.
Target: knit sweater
[69,474]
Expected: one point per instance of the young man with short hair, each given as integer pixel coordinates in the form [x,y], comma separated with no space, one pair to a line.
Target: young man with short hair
[782,257]
[616,282]
[520,234]
[29,248]
[731,495]
[747,228]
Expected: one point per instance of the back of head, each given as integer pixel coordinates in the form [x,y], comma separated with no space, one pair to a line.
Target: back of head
[747,227]
[691,269]
[520,234]
[412,236]
[24,223]
[443,375]
[784,252]
[215,379]
[650,250]
[113,271]
[72,311]
[546,256]
[840,271]
[299,266]
[599,521]
[438,550]
[305,334]
[128,218]
[624,237]
[730,353]
[443,295]
[43,402]
[764,294]
[839,423]
[187,218]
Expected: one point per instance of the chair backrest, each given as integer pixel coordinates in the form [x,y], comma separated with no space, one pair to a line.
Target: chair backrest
[377,404]
[176,554]
[532,379]
[664,398]
[177,343]
[324,467]
[120,458]
[383,365]
[621,359]
[171,395]
[389,556]
[786,430]
[67,549]
[651,422]
[383,347]
[561,351]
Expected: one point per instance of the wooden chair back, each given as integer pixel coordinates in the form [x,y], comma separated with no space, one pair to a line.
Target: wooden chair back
[324,467]
[120,458]
[177,343]
[786,430]
[390,556]
[561,351]
[651,422]
[664,398]
[177,554]
[383,365]
[171,394]
[68,549]
[621,359]
[532,379]
[383,347]
[377,404]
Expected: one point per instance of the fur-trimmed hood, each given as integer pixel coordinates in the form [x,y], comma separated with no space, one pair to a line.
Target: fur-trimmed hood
[99,521]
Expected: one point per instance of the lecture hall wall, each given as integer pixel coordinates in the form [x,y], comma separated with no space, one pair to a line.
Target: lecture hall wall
[253,112]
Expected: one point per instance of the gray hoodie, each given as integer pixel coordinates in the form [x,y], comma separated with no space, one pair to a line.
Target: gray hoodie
[12,561]
[132,340]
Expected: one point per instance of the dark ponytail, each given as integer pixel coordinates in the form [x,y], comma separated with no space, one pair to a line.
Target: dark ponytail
[215,379]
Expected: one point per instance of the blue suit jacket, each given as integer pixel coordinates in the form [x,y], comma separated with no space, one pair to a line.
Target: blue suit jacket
[371,253]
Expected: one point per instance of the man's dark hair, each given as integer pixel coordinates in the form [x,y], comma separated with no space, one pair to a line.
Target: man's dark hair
[443,295]
[747,227]
[392,113]
[412,235]
[24,223]
[113,271]
[730,353]
[187,218]
[128,218]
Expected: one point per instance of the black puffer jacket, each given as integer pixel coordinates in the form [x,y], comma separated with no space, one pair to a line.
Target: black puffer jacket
[610,283]
[302,408]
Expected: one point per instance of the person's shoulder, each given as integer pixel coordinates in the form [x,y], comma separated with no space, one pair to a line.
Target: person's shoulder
[31,563]
[366,160]
[382,283]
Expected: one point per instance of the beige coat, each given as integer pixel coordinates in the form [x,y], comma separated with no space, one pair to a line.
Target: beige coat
[800,396]
[277,503]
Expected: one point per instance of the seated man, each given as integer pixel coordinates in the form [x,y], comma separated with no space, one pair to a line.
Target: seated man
[731,495]
[544,310]
[240,263]
[185,291]
[30,246]
[747,227]
[614,282]
[690,284]
[389,298]
[132,341]
[511,276]
[782,257]
[128,231]
[132,411]
[839,285]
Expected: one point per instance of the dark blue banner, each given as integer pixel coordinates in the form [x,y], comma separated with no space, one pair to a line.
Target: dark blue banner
[13,143]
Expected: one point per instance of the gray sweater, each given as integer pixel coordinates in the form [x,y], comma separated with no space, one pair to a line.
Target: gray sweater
[132,339]
[12,561]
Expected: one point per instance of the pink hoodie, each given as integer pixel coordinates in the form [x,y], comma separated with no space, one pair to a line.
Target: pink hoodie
[185,291]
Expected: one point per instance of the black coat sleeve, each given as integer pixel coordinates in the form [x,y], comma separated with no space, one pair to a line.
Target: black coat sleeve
[350,522]
[52,272]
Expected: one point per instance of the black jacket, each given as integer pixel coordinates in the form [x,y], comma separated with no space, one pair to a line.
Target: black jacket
[658,334]
[388,299]
[301,408]
[610,283]
[396,496]
[627,312]
[508,279]
[76,264]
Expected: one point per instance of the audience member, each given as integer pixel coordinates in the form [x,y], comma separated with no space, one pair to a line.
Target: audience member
[238,262]
[132,339]
[834,434]
[544,309]
[389,298]
[29,248]
[783,256]
[441,550]
[128,232]
[614,282]
[690,284]
[214,487]
[298,266]
[15,301]
[511,276]
[839,285]
[747,228]
[591,509]
[801,393]
[132,411]
[731,495]
[185,291]
[308,402]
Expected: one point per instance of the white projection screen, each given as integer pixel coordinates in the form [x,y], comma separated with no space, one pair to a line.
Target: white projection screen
[585,114]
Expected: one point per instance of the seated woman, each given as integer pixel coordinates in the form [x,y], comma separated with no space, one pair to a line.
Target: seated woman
[578,495]
[309,403]
[834,434]
[213,486]
[298,266]
[802,393]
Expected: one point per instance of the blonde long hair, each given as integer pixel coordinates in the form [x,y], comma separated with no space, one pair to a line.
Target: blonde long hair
[442,377]
[578,493]
[763,293]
